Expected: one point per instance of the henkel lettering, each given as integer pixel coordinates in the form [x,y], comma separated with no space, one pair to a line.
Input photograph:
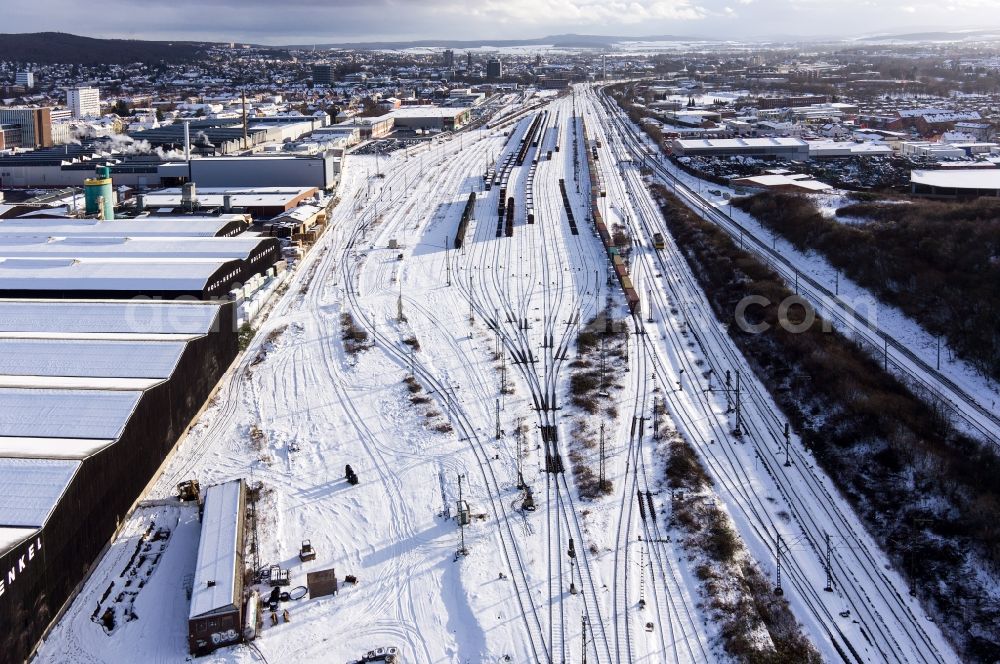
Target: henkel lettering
[7,580]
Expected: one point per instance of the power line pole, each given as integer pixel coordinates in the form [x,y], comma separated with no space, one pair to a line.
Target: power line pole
[471,316]
[777,554]
[503,371]
[788,461]
[602,363]
[447,259]
[583,644]
[729,386]
[499,432]
[738,431]
[602,481]
[642,575]
[518,434]
[829,565]
[462,516]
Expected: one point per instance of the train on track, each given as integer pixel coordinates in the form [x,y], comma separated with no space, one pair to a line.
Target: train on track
[463,224]
[597,191]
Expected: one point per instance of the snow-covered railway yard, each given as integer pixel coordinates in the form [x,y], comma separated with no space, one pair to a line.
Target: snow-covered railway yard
[464,371]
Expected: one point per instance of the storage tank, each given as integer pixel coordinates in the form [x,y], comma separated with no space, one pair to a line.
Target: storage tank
[98,194]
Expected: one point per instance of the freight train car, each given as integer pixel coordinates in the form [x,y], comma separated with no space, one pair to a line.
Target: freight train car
[597,191]
[470,206]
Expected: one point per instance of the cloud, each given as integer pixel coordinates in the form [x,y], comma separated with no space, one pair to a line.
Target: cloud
[308,21]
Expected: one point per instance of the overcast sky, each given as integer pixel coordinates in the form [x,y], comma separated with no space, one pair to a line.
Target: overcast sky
[309,21]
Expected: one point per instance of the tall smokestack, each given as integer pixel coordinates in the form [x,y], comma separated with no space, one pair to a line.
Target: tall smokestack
[187,140]
[244,119]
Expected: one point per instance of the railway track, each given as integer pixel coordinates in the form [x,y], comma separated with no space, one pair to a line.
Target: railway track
[540,371]
[761,429]
[975,415]
[467,431]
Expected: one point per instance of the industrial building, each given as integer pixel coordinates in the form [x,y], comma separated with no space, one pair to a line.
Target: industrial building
[84,102]
[120,278]
[70,165]
[261,202]
[764,103]
[64,258]
[179,226]
[226,136]
[795,183]
[553,82]
[787,148]
[35,124]
[956,182]
[93,396]
[258,254]
[370,128]
[832,149]
[430,118]
[316,171]
[215,618]
[691,117]
[929,150]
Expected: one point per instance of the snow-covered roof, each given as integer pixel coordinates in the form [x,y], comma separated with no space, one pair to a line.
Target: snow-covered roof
[428,112]
[10,537]
[736,143]
[242,197]
[847,148]
[301,213]
[61,227]
[964,178]
[88,358]
[106,274]
[215,571]
[126,247]
[51,448]
[46,413]
[30,488]
[918,112]
[115,317]
[797,181]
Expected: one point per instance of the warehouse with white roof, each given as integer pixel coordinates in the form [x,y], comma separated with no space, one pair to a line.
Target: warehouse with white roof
[215,618]
[788,148]
[149,226]
[93,396]
[956,182]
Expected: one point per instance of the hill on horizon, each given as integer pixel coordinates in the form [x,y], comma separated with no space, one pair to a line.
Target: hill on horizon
[565,41]
[65,48]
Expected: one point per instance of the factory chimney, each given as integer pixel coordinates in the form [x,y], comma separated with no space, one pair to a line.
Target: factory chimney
[244,119]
